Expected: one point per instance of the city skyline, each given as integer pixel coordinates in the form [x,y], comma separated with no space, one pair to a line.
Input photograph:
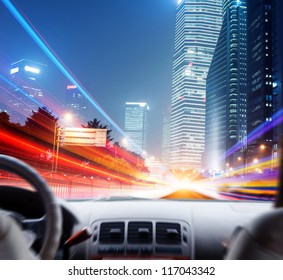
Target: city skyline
[96,59]
[244,104]
[188,80]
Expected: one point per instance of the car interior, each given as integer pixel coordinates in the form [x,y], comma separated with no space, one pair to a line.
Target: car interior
[34,224]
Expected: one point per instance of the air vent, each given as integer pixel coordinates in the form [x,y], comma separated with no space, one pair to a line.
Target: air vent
[112,233]
[168,233]
[140,232]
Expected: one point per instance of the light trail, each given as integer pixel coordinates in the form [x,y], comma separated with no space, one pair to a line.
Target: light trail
[51,55]
[260,130]
[45,101]
[69,164]
[21,91]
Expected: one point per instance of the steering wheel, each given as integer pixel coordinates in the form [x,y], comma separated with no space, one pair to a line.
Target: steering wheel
[53,211]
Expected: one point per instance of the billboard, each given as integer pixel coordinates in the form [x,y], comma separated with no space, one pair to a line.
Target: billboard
[83,136]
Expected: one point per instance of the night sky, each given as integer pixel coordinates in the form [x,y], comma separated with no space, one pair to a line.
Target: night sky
[119,50]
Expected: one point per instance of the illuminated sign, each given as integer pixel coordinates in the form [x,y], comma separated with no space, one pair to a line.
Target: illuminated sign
[32,69]
[14,70]
[141,104]
[84,136]
[71,87]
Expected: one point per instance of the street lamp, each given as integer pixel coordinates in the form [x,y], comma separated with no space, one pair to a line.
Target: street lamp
[125,141]
[56,140]
[240,159]
[58,132]
[68,117]
[264,147]
[255,161]
[54,143]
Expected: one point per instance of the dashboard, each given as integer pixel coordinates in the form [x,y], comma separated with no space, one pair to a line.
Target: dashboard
[129,228]
[170,229]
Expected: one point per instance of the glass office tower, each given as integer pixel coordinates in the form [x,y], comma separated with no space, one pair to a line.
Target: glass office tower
[136,125]
[264,79]
[26,93]
[226,93]
[76,103]
[197,29]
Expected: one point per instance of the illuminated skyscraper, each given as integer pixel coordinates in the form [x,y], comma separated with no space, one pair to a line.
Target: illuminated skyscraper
[136,125]
[277,78]
[264,77]
[76,103]
[25,91]
[226,100]
[197,29]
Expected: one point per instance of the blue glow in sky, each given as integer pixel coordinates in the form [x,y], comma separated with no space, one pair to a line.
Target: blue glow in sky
[115,51]
[20,90]
[55,60]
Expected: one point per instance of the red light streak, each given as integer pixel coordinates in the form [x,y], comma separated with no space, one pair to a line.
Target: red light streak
[28,151]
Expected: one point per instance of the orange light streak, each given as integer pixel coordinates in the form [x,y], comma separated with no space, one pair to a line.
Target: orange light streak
[26,148]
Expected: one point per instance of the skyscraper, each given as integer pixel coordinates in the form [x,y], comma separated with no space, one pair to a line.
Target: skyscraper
[76,103]
[197,29]
[264,75]
[277,75]
[226,90]
[26,91]
[165,156]
[136,125]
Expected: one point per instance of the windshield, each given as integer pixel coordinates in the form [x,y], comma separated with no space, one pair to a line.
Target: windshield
[153,99]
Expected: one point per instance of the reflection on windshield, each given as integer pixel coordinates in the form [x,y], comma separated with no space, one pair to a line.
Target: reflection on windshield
[101,127]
